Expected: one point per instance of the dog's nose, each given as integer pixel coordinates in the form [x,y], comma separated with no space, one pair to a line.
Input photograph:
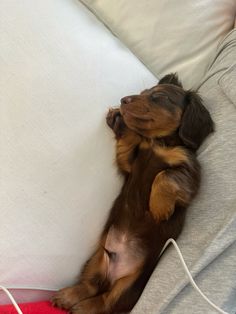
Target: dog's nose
[126,100]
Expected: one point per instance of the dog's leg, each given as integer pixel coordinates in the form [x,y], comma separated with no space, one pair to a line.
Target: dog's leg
[170,187]
[106,302]
[92,281]
[126,140]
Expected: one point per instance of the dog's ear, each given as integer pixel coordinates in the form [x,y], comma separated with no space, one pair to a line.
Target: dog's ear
[171,78]
[196,122]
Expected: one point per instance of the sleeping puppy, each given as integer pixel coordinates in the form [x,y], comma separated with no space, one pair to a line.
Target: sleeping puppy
[157,134]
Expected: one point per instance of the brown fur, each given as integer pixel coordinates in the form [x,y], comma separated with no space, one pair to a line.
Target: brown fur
[157,134]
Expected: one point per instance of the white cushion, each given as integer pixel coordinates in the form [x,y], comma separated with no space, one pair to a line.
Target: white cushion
[61,69]
[169,36]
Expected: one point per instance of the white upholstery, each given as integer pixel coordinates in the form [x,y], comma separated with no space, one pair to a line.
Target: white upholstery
[61,69]
[169,36]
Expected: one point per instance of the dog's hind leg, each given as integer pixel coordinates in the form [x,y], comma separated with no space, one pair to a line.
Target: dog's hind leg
[91,282]
[125,260]
[106,303]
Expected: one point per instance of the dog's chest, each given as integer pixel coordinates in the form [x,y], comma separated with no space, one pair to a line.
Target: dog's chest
[148,163]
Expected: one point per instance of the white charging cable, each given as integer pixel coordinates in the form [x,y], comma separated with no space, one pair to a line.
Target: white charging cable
[12,299]
[193,283]
[165,246]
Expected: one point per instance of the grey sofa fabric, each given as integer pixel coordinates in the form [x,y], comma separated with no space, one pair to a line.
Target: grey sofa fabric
[208,242]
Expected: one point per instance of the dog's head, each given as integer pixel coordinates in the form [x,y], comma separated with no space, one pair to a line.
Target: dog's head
[166,109]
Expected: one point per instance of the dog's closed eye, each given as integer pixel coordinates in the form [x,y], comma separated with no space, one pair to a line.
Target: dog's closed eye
[158,96]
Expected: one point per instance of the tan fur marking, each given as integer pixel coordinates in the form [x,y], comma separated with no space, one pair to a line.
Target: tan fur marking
[165,193]
[145,144]
[163,197]
[172,155]
[125,148]
[96,264]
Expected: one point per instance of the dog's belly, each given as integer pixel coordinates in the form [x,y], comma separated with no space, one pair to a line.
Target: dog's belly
[123,254]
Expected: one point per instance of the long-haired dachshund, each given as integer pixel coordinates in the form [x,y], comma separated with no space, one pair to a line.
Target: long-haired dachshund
[157,134]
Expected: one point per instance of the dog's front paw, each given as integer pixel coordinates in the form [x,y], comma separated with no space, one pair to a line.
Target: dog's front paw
[112,115]
[66,298]
[115,121]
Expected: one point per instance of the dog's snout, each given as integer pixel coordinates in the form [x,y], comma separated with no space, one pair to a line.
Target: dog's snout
[126,100]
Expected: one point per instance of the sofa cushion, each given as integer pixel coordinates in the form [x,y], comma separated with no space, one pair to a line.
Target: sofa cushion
[169,36]
[58,178]
[228,82]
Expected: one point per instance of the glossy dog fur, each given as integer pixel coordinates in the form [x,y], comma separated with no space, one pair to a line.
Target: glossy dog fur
[157,134]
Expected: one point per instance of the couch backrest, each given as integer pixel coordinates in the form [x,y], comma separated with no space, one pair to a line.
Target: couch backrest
[169,36]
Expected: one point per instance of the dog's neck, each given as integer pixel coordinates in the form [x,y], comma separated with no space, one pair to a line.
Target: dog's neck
[170,140]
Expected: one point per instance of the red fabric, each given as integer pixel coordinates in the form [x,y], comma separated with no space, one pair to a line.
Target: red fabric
[32,308]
